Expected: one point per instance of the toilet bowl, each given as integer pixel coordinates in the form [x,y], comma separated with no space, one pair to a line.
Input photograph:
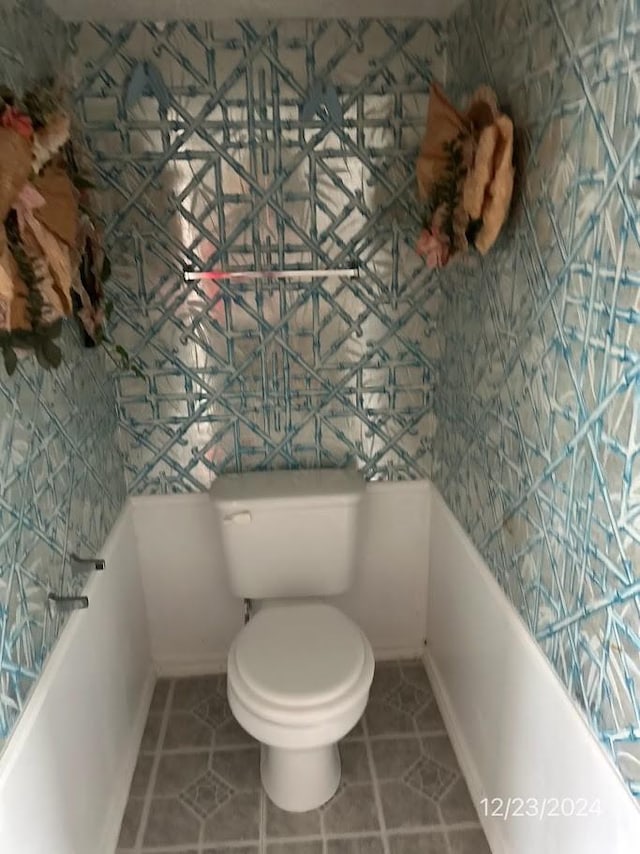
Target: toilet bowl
[298,680]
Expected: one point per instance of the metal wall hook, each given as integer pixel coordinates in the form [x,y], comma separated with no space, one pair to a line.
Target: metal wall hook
[64,604]
[84,564]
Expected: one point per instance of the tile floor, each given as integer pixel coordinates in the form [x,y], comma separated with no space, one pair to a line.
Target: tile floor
[196,787]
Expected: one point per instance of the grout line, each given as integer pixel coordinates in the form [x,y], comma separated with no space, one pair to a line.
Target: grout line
[263,820]
[376,788]
[218,748]
[179,848]
[146,807]
[366,834]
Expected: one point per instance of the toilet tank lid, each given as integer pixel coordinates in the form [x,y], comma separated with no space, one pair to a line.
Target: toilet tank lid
[330,485]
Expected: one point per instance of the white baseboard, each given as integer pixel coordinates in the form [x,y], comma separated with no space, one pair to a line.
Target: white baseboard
[464,755]
[129,761]
[397,653]
[179,667]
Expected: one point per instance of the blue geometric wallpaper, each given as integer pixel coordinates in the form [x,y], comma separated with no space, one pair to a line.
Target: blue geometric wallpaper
[61,476]
[538,402]
[513,380]
[221,167]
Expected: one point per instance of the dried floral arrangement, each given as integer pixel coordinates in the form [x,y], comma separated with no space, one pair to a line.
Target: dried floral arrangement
[465,176]
[52,264]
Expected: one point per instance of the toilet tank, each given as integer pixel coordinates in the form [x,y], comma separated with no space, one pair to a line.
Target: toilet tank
[289,533]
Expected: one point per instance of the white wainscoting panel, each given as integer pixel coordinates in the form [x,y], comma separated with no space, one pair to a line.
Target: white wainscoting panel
[516,731]
[66,771]
[193,616]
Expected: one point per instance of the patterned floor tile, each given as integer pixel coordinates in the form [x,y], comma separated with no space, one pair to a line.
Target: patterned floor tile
[430,778]
[402,701]
[403,807]
[215,794]
[236,849]
[439,748]
[351,810]
[386,678]
[151,734]
[468,842]
[419,843]
[170,822]
[367,845]
[191,691]
[184,730]
[240,769]
[355,762]
[160,695]
[169,851]
[295,847]
[141,775]
[283,823]
[177,771]
[231,734]
[394,757]
[206,794]
[456,804]
[130,823]
[356,733]
[429,719]
[384,719]
[237,819]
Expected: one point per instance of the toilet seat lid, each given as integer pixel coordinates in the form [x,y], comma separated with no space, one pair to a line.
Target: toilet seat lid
[300,655]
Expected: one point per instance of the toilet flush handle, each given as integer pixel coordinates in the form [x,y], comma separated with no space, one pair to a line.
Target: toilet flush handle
[241,518]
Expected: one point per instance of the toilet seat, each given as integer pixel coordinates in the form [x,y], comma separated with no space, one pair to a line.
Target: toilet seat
[299,666]
[300,655]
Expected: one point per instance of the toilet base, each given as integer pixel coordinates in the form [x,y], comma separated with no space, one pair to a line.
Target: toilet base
[300,780]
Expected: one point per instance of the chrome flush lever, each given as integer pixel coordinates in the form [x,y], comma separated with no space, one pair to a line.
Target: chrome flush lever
[63,604]
[83,564]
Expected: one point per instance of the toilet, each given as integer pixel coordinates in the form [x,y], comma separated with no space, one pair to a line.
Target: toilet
[299,672]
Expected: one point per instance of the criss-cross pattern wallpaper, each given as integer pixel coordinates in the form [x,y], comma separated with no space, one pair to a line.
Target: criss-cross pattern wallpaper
[221,167]
[61,476]
[539,400]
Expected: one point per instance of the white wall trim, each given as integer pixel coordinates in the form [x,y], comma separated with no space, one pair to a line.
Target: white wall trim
[514,727]
[120,797]
[397,487]
[20,734]
[159,10]
[67,768]
[179,667]
[464,755]
[180,558]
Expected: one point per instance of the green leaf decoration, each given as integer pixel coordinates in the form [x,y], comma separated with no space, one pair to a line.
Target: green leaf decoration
[82,183]
[10,360]
[52,353]
[105,273]
[42,359]
[124,356]
[108,308]
[54,330]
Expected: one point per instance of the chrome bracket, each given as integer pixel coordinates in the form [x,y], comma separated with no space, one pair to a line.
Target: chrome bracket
[85,564]
[64,604]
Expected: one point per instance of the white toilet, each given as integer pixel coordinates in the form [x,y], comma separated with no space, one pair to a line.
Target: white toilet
[300,670]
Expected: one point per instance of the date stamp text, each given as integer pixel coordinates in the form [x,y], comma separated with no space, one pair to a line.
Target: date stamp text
[540,808]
